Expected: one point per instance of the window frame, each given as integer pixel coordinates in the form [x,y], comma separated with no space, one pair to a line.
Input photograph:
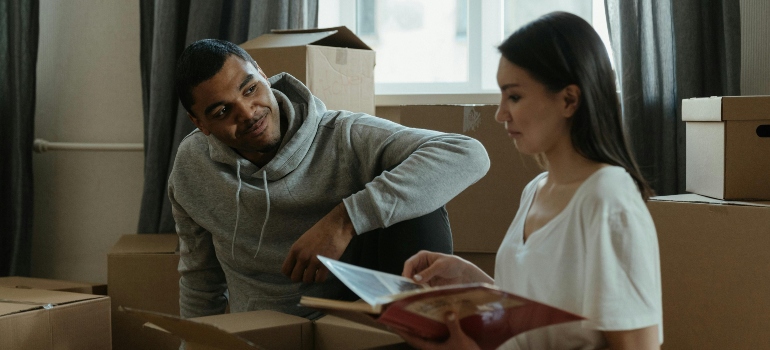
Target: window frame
[481,87]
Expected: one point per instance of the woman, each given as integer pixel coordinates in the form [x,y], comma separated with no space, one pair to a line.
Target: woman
[582,239]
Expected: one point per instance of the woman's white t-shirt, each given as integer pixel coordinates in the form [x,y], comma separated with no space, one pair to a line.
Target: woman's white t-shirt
[598,258]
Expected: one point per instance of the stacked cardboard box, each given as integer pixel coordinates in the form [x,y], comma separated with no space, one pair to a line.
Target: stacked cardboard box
[712,247]
[142,273]
[480,215]
[37,319]
[728,140]
[714,262]
[336,65]
[270,330]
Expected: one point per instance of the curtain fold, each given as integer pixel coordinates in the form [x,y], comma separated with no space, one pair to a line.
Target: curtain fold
[167,27]
[666,51]
[19,30]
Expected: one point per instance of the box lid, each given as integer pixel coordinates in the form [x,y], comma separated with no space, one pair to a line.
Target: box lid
[334,37]
[695,198]
[717,108]
[15,300]
[146,243]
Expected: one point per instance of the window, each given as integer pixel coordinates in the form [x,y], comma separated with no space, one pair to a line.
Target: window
[443,46]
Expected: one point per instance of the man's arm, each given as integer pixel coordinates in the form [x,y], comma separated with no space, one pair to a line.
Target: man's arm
[414,171]
[202,285]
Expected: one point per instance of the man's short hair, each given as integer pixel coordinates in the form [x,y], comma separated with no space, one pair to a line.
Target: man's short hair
[199,62]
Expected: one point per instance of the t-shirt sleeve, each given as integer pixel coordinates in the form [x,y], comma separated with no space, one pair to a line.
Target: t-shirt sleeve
[622,286]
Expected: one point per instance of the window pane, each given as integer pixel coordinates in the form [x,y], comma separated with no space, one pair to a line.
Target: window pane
[417,41]
[521,12]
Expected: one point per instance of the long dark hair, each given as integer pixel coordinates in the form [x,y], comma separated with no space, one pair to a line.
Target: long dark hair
[560,49]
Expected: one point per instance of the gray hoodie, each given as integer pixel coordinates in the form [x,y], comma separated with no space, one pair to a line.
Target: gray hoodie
[236,221]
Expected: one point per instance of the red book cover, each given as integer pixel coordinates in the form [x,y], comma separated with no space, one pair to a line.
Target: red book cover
[487,314]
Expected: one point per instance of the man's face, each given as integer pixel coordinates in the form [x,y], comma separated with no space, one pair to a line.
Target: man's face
[239,108]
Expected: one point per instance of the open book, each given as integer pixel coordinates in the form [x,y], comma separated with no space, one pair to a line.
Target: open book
[487,314]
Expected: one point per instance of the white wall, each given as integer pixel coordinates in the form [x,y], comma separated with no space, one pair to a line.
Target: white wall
[755,47]
[88,90]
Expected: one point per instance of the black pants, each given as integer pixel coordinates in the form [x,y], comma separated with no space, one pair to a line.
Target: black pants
[387,249]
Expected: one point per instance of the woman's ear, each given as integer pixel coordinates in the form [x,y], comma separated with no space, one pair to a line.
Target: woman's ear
[571,95]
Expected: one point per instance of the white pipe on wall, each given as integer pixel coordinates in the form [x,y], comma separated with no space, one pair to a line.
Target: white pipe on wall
[40,146]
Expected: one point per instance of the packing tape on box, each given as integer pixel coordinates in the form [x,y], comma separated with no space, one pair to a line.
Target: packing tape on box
[342,56]
[471,118]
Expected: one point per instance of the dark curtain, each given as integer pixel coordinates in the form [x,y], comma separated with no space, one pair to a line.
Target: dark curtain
[18,63]
[167,27]
[666,51]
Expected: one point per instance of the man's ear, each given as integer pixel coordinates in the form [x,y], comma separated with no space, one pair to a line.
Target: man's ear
[198,124]
[571,95]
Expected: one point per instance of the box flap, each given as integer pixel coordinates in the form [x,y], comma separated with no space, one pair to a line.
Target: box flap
[726,108]
[42,283]
[333,37]
[146,244]
[13,300]
[695,198]
[194,331]
[8,308]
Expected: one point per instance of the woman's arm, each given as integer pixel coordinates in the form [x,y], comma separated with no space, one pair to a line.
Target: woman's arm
[643,338]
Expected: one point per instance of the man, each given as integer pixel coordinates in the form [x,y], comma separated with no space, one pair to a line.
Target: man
[271,179]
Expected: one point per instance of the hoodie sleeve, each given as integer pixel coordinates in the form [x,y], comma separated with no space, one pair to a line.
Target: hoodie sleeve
[202,285]
[412,171]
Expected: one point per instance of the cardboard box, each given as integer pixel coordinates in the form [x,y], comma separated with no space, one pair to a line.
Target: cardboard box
[50,284]
[728,140]
[336,65]
[142,273]
[480,215]
[334,333]
[270,330]
[714,260]
[36,319]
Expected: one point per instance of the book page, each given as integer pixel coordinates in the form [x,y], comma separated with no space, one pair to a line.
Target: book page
[374,287]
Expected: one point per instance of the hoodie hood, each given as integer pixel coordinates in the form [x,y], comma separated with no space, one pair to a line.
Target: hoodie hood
[301,110]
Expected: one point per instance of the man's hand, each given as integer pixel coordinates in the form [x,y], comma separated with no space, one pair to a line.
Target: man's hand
[328,237]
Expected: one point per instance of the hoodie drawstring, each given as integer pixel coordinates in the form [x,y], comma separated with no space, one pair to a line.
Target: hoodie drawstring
[237,207]
[267,214]
[238,210]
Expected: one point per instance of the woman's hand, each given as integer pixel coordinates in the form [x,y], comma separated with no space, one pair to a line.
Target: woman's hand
[457,338]
[437,269]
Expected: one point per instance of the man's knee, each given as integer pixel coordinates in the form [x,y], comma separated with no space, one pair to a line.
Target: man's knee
[387,249]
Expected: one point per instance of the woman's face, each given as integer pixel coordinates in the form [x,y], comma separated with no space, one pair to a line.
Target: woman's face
[537,119]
